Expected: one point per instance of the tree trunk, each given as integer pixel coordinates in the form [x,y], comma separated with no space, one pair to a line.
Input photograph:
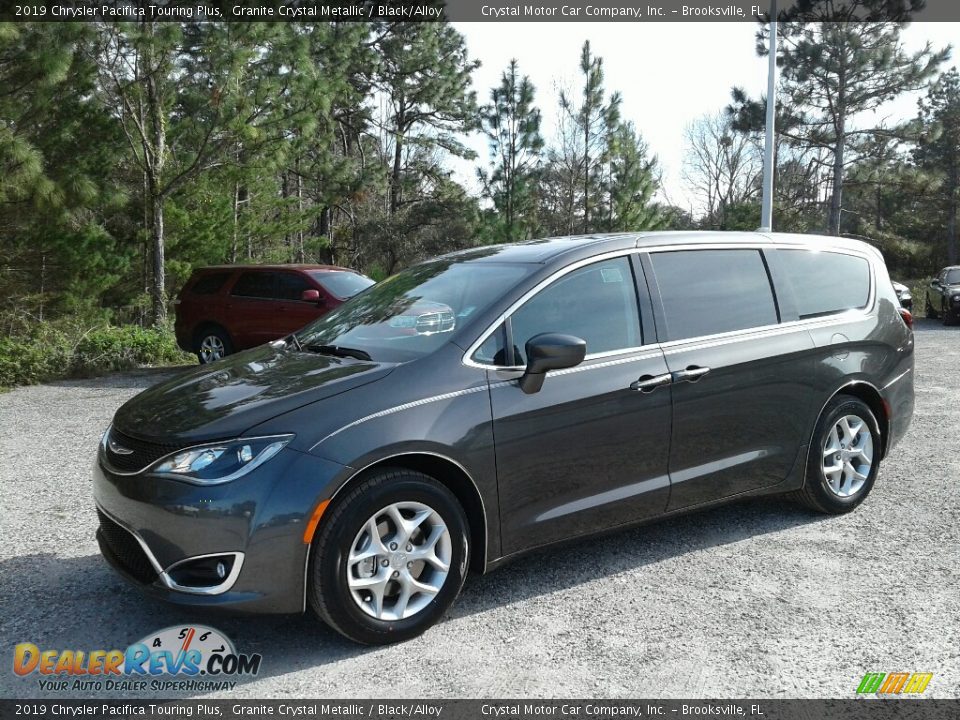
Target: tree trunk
[952,218]
[158,289]
[395,195]
[236,222]
[836,195]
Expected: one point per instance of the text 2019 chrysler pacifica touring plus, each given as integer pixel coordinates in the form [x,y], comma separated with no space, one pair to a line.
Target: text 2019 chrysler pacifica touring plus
[499,399]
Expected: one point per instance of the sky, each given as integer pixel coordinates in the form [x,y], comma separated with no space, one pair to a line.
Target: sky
[669,74]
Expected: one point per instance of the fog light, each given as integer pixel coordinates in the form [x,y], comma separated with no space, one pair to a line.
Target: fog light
[206,572]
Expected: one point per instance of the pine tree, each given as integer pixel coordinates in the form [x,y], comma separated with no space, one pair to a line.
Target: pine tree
[424,74]
[593,119]
[839,59]
[938,149]
[511,123]
[633,181]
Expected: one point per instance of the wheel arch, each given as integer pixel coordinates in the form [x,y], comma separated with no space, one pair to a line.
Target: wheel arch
[451,475]
[867,393]
[205,325]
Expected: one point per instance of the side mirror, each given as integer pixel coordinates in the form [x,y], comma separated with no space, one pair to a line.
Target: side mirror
[935,281]
[311,296]
[550,351]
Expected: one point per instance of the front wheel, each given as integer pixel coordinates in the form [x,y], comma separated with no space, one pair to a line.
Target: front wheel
[390,559]
[931,313]
[844,457]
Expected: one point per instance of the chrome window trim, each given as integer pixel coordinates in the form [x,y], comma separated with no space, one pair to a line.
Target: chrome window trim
[566,270]
[671,347]
[706,340]
[162,575]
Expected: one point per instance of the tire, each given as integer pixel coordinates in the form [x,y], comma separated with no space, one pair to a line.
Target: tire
[212,343]
[931,313]
[949,318]
[840,492]
[337,590]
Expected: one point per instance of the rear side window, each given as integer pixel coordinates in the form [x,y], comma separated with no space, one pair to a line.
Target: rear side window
[292,286]
[826,282]
[597,303]
[256,284]
[705,292]
[209,283]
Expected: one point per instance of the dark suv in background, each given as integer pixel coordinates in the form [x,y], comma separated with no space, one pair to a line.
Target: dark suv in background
[227,308]
[943,296]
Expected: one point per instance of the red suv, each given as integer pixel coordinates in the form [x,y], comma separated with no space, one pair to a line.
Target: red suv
[227,308]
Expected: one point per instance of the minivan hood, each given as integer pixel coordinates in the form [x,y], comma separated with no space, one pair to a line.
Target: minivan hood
[222,400]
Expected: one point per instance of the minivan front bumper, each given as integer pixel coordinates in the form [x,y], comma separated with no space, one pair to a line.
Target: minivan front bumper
[249,534]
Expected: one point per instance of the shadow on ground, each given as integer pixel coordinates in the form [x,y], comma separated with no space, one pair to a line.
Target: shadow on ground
[81,604]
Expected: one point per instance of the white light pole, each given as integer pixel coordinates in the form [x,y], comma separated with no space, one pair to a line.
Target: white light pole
[769,155]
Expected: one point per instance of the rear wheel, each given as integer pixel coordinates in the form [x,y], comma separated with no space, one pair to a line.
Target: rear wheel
[212,344]
[390,559]
[844,457]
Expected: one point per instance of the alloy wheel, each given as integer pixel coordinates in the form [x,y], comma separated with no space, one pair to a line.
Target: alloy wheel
[848,455]
[211,348]
[399,561]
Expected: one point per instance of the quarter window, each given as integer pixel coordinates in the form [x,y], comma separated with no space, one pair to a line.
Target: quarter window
[210,283]
[597,303]
[705,292]
[827,282]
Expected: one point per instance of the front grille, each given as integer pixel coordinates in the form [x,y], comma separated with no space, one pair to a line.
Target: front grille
[142,453]
[118,545]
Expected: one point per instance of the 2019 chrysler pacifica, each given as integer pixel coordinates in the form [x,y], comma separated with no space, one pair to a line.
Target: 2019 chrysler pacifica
[500,399]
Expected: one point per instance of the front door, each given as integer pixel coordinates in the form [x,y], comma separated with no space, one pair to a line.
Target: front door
[589,450]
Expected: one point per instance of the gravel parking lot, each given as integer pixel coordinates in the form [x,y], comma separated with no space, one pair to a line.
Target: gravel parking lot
[757,599]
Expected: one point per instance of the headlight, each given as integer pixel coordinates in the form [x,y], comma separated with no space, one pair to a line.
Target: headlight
[220,462]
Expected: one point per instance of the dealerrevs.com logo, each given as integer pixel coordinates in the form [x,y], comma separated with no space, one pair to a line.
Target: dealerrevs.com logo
[192,658]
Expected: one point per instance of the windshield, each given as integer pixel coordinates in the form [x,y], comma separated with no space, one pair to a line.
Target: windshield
[342,283]
[413,313]
[953,277]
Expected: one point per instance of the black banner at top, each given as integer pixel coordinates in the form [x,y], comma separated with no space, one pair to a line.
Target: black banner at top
[474,10]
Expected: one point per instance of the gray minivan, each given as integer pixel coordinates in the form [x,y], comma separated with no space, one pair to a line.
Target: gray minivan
[485,403]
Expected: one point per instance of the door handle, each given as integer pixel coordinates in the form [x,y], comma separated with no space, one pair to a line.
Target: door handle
[692,374]
[649,383]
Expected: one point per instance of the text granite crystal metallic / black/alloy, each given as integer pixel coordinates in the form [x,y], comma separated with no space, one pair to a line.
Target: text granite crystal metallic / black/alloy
[485,403]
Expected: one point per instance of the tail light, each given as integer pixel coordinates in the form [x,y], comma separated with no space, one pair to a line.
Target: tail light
[907,317]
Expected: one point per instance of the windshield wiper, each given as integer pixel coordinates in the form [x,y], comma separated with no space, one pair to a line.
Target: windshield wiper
[339,351]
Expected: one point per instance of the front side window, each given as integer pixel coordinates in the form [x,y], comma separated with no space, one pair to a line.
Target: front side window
[596,303]
[414,312]
[291,286]
[705,292]
[825,283]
